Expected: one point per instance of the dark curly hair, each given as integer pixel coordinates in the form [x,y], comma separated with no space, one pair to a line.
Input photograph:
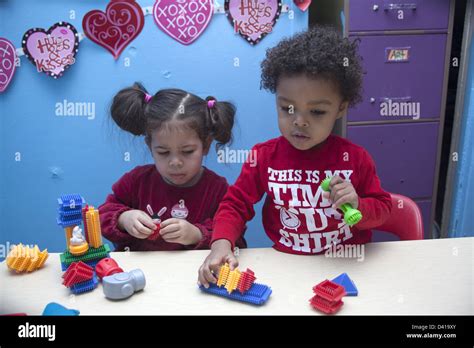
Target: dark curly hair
[317,52]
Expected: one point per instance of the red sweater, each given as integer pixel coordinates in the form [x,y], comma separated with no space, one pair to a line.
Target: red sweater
[295,215]
[144,185]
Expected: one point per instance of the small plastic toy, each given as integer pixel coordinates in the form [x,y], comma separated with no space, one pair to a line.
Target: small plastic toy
[80,278]
[93,255]
[228,281]
[107,267]
[157,220]
[120,286]
[246,281]
[325,306]
[77,244]
[258,294]
[344,280]
[328,297]
[82,254]
[94,234]
[22,258]
[86,286]
[70,213]
[351,216]
[77,272]
[54,308]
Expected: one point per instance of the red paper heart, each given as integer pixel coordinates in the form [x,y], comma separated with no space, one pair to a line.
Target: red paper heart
[52,51]
[121,23]
[7,63]
[302,4]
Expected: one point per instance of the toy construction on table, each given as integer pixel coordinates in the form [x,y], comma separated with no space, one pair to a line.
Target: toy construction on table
[239,286]
[86,260]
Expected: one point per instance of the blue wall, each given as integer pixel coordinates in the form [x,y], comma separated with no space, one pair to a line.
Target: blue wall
[461,222]
[76,155]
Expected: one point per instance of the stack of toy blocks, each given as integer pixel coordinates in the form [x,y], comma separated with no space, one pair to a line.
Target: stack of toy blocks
[248,291]
[80,278]
[328,297]
[72,212]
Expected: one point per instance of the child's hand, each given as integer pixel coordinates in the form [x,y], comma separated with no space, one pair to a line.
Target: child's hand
[180,231]
[221,252]
[137,223]
[342,192]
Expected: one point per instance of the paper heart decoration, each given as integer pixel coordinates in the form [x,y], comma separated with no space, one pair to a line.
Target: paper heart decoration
[121,23]
[252,19]
[302,4]
[183,20]
[7,63]
[52,51]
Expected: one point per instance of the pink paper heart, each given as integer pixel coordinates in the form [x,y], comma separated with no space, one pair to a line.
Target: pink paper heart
[7,63]
[302,4]
[121,23]
[52,51]
[184,21]
[253,19]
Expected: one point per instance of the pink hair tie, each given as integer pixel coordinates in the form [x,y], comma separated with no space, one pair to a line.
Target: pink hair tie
[148,98]
[211,103]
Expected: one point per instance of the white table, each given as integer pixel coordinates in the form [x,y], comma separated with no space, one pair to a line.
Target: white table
[429,277]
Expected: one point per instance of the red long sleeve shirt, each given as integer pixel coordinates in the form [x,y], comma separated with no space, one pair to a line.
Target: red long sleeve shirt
[295,215]
[144,185]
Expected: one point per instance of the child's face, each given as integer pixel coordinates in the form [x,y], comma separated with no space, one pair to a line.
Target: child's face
[307,109]
[178,152]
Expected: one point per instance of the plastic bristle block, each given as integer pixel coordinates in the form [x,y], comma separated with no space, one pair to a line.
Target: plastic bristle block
[84,286]
[76,278]
[91,263]
[77,272]
[258,294]
[329,290]
[323,305]
[246,280]
[223,275]
[69,223]
[65,202]
[69,213]
[92,254]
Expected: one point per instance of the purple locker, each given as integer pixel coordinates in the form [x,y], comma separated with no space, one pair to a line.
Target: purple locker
[404,154]
[368,15]
[404,77]
[425,208]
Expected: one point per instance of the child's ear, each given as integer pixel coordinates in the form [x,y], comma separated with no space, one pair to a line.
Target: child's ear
[342,109]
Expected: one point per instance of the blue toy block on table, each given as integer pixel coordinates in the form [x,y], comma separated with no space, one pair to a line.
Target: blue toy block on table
[258,294]
[344,280]
[86,286]
[54,308]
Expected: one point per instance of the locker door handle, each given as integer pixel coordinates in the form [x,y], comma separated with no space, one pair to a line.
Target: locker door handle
[394,6]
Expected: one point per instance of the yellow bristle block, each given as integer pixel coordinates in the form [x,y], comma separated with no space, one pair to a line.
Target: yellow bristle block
[232,281]
[25,259]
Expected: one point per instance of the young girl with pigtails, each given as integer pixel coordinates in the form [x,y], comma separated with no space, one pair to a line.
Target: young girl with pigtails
[170,204]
